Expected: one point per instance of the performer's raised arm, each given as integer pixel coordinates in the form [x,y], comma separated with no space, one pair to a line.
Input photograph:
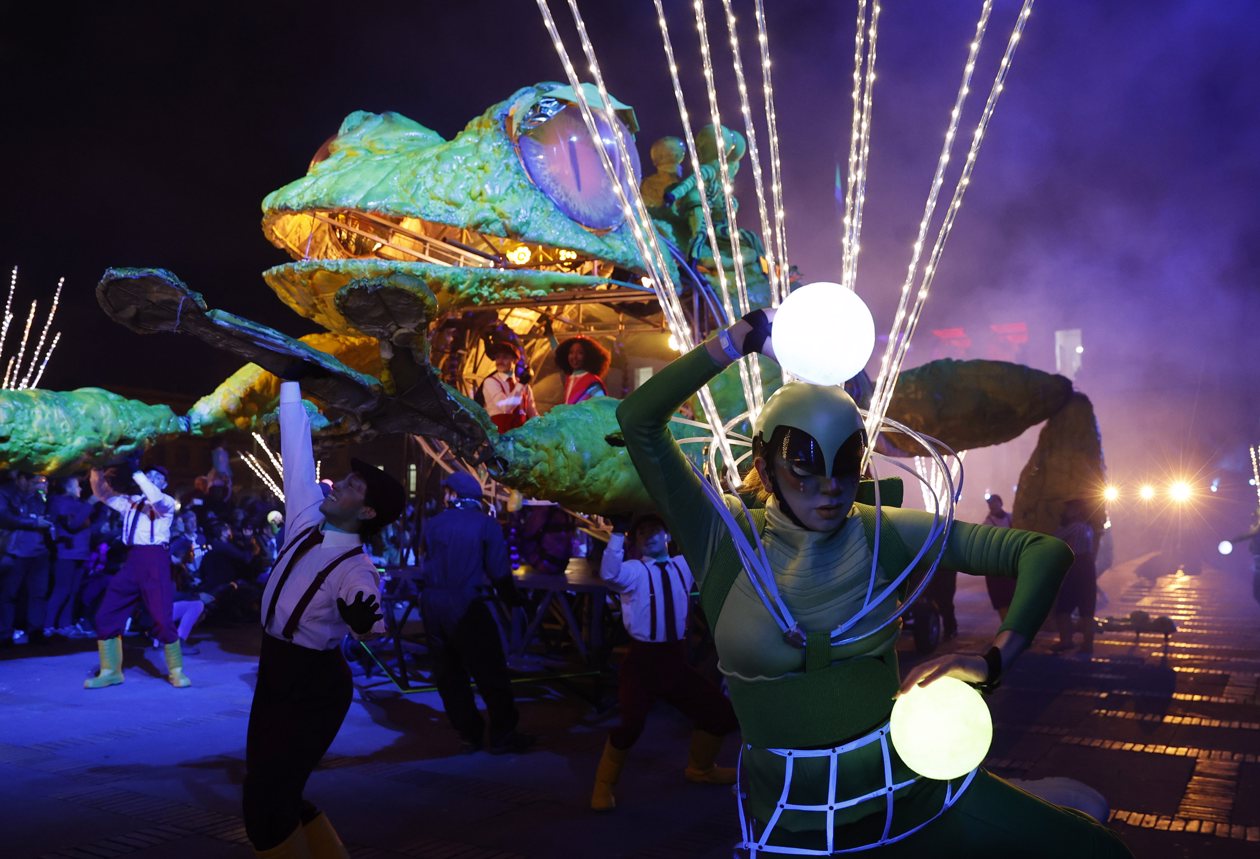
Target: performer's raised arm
[301,490]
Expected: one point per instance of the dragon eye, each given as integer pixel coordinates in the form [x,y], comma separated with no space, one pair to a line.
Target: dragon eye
[562,160]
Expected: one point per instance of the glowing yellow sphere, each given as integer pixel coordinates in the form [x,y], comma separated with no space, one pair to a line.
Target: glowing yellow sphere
[941,730]
[1147,492]
[1111,493]
[1179,491]
[823,333]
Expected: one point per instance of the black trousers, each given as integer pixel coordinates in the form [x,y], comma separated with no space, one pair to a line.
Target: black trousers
[300,701]
[469,645]
[659,671]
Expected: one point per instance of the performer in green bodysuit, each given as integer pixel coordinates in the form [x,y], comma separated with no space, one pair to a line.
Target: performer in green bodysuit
[822,775]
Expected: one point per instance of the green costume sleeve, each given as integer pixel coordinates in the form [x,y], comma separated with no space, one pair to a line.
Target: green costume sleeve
[664,469]
[1037,561]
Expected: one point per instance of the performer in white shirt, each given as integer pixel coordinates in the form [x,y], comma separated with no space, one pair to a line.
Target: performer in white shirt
[322,586]
[655,595]
[508,400]
[145,576]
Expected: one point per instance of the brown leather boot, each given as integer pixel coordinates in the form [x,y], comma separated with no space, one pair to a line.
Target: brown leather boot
[610,764]
[700,767]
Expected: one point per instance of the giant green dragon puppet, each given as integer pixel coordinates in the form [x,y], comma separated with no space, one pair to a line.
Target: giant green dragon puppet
[394,230]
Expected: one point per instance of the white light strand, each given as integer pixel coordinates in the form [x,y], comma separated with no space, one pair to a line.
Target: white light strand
[44,364]
[275,460]
[779,236]
[11,381]
[754,152]
[261,473]
[898,345]
[749,369]
[864,152]
[724,169]
[897,339]
[645,239]
[855,136]
[8,309]
[750,381]
[43,336]
[1255,471]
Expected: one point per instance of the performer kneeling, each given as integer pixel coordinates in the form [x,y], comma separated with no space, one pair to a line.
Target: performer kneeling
[145,576]
[323,584]
[655,593]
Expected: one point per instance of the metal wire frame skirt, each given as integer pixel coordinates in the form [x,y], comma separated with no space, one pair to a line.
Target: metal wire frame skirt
[756,844]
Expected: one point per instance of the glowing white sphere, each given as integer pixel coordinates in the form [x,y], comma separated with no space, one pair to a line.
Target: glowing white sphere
[1225,547]
[941,730]
[823,333]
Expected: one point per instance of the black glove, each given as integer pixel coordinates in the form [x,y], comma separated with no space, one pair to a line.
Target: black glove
[360,615]
[621,522]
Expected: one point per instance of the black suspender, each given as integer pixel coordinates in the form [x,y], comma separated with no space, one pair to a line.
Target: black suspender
[301,544]
[295,618]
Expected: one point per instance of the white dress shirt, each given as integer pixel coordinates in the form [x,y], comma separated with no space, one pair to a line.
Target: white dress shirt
[147,517]
[505,394]
[641,586]
[320,626]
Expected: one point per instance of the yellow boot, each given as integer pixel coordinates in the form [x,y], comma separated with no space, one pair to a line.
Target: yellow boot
[610,764]
[293,847]
[110,650]
[322,839]
[175,666]
[700,767]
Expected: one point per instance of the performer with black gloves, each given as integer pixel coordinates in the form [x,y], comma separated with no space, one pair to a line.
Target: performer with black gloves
[463,548]
[322,586]
[145,577]
[655,596]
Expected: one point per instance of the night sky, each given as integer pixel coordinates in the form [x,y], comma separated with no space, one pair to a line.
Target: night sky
[1116,191]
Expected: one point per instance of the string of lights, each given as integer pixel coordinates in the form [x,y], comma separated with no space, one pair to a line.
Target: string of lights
[751,384]
[43,336]
[859,142]
[636,214]
[261,473]
[749,369]
[1255,471]
[899,339]
[779,236]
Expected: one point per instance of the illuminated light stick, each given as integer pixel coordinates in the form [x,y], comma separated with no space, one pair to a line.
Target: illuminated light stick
[10,382]
[779,236]
[898,346]
[44,364]
[261,473]
[43,335]
[885,381]
[751,388]
[637,216]
[859,36]
[8,310]
[749,370]
[933,488]
[275,460]
[942,730]
[1255,471]
[859,140]
[754,152]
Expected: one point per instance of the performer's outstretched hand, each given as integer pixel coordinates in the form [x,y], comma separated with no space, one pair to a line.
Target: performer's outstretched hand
[360,615]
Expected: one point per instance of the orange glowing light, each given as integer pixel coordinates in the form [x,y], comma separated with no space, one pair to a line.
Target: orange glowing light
[1111,493]
[1180,491]
[1147,492]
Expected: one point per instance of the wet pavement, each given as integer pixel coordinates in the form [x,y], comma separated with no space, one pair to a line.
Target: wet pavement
[1171,736]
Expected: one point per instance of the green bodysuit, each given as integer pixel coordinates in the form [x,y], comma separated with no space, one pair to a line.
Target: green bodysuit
[820,696]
